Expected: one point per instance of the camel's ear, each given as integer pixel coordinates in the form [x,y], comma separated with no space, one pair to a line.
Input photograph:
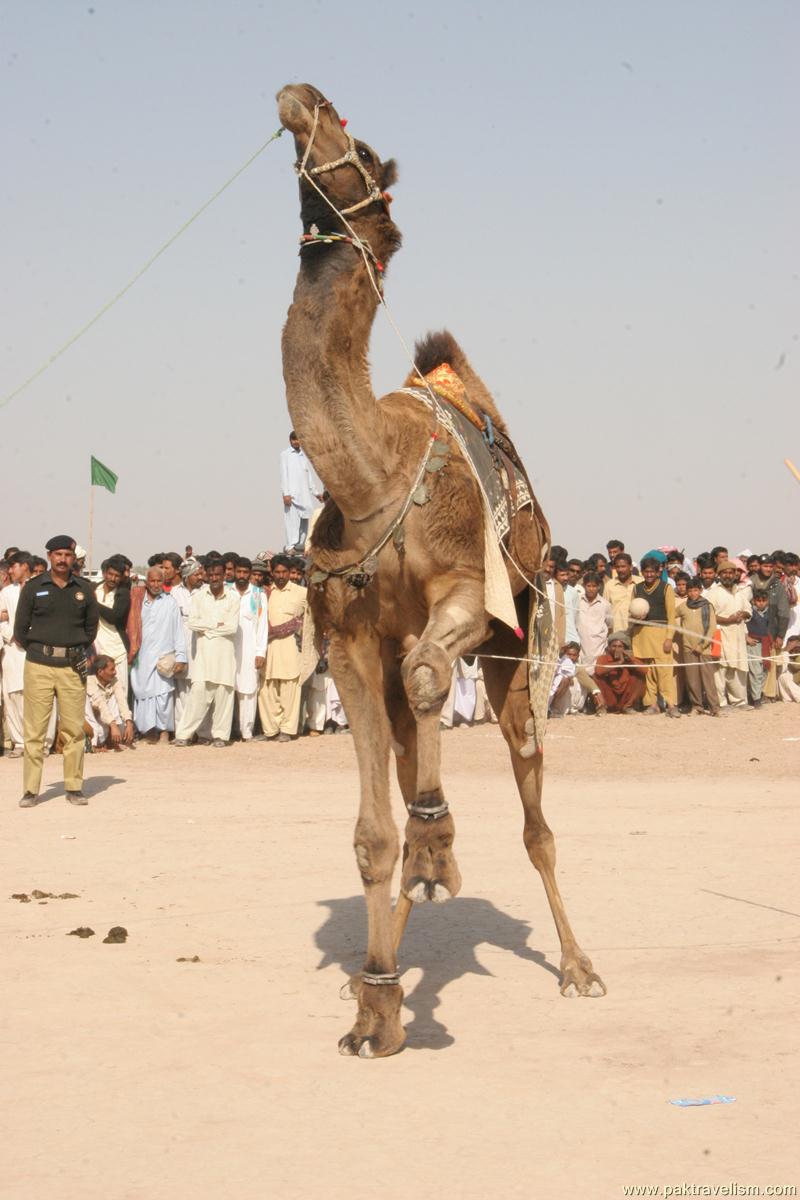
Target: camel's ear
[388,174]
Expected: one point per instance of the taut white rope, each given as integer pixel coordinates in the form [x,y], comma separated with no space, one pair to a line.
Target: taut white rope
[135,279]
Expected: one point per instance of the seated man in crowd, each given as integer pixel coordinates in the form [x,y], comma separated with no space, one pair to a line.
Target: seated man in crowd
[619,675]
[572,684]
[789,681]
[107,711]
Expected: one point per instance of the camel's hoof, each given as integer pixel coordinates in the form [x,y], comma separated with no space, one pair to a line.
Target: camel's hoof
[417,890]
[378,1031]
[353,1046]
[420,890]
[430,871]
[578,980]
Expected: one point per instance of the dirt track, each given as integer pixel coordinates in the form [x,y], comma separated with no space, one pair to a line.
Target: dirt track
[131,1075]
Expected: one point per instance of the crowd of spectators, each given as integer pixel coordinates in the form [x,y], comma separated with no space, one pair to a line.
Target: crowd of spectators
[208,648]
[674,635]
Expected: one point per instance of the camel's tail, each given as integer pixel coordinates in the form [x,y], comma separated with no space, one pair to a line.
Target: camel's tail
[438,348]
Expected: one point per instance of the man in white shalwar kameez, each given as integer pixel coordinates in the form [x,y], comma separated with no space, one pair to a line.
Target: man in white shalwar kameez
[214,617]
[302,492]
[251,645]
[162,637]
[462,699]
[115,603]
[14,655]
[192,578]
[324,710]
[732,606]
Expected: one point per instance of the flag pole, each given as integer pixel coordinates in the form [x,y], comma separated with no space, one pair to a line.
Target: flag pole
[91,529]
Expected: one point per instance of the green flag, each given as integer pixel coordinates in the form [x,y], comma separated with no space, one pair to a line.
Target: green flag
[102,476]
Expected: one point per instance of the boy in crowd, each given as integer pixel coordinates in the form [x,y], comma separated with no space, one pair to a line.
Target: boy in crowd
[698,624]
[759,647]
[593,620]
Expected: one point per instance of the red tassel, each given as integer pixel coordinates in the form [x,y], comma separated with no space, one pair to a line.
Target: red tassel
[343,122]
[519,633]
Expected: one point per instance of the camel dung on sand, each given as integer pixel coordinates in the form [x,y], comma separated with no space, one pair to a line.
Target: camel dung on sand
[401,570]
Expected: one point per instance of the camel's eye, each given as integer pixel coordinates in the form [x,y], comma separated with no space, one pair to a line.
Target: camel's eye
[364,155]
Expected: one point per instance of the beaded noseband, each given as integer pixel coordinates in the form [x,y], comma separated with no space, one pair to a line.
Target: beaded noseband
[350,157]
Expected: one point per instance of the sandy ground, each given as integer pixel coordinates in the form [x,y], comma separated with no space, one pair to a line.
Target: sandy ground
[129,1074]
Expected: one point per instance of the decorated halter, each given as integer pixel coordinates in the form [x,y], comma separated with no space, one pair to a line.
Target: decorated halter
[373,193]
[351,156]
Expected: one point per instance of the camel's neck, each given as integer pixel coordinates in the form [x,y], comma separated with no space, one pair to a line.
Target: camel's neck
[328,389]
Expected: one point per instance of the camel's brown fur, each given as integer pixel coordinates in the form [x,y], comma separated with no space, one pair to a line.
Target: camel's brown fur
[394,642]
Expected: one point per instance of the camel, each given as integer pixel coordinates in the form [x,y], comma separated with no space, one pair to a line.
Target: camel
[400,609]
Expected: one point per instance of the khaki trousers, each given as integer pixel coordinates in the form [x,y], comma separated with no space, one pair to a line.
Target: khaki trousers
[660,681]
[700,673]
[279,706]
[43,685]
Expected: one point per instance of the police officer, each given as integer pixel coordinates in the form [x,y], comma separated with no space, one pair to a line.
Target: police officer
[56,623]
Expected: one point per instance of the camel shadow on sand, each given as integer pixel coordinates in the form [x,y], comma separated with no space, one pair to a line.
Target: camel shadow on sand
[441,940]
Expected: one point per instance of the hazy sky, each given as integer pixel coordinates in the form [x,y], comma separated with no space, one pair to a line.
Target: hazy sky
[599,199]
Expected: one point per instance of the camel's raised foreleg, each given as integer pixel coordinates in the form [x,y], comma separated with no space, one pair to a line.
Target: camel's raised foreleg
[456,623]
[506,685]
[358,673]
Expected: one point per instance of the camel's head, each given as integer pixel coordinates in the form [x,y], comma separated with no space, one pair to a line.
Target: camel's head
[349,172]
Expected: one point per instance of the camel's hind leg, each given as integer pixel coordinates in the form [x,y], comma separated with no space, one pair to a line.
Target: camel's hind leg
[506,684]
[357,670]
[456,623]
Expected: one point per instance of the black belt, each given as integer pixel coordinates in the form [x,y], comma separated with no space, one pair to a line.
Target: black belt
[50,651]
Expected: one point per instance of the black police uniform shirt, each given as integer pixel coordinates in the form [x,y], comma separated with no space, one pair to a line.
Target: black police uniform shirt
[49,615]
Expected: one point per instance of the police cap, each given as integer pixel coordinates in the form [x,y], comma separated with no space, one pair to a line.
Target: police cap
[61,542]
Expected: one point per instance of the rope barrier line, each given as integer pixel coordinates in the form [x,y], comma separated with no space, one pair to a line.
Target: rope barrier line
[135,279]
[644,664]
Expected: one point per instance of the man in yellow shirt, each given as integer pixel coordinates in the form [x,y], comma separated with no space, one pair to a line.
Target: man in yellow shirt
[279,697]
[619,590]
